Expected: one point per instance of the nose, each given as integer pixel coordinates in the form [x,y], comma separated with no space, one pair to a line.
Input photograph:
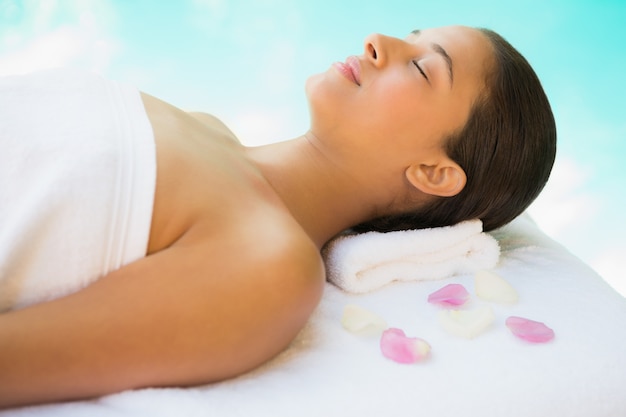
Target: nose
[379,48]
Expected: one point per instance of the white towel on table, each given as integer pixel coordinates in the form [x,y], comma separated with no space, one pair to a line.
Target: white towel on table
[363,262]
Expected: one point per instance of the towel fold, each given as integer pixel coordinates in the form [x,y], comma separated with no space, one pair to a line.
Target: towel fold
[360,263]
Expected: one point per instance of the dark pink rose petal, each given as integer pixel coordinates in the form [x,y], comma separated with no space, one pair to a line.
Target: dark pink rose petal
[396,346]
[529,330]
[450,295]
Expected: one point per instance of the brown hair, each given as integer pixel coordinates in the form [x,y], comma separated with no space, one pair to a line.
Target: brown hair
[507,149]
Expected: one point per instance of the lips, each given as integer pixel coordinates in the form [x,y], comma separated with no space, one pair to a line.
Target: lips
[351,69]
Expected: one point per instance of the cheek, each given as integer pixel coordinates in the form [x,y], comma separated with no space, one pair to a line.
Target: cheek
[396,110]
[414,110]
[397,94]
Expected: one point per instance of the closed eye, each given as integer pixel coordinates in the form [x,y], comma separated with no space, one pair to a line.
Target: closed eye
[420,70]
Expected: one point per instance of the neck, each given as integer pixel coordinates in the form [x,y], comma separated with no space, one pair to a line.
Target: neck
[322,196]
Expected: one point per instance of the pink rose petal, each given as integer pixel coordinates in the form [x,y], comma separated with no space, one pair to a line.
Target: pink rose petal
[396,346]
[450,295]
[529,330]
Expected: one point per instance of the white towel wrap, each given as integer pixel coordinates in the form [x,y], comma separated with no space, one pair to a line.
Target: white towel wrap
[77,178]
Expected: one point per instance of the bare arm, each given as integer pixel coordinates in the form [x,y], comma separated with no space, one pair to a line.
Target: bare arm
[174,318]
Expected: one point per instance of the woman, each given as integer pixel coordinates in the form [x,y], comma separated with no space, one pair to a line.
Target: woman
[446,125]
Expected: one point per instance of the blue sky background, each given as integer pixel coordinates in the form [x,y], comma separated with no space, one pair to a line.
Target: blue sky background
[247,60]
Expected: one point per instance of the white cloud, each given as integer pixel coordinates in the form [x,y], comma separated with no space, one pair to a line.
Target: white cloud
[259,127]
[573,214]
[35,42]
[43,13]
[55,49]
[565,202]
[610,265]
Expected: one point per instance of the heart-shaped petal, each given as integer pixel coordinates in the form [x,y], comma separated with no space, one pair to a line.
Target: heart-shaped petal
[395,345]
[466,323]
[450,295]
[491,287]
[529,330]
[358,320]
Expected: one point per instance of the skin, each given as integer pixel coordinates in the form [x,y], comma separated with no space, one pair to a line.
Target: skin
[212,300]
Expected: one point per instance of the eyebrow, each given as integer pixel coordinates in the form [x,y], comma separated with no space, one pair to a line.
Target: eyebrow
[439,49]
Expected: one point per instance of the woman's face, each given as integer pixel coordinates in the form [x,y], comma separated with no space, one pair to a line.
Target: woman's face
[401,96]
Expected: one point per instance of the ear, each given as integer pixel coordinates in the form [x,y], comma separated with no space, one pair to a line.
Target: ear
[445,178]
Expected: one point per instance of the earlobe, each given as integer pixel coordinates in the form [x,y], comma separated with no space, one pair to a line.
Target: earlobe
[444,179]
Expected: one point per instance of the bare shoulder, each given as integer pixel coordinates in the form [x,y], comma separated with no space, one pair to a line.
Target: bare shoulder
[273,265]
[272,245]
[293,252]
[214,122]
[264,277]
[166,118]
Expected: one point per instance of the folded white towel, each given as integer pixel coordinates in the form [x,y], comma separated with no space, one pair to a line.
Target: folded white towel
[363,262]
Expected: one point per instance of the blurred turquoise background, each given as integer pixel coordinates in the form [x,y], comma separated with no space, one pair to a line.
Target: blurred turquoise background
[247,61]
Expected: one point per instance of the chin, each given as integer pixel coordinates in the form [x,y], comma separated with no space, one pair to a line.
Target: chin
[314,91]
[327,100]
[312,84]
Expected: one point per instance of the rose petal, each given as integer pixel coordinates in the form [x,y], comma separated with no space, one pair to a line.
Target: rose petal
[529,330]
[358,320]
[450,295]
[491,287]
[466,323]
[395,345]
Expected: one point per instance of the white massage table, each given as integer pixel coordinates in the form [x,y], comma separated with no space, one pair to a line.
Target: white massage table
[328,371]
